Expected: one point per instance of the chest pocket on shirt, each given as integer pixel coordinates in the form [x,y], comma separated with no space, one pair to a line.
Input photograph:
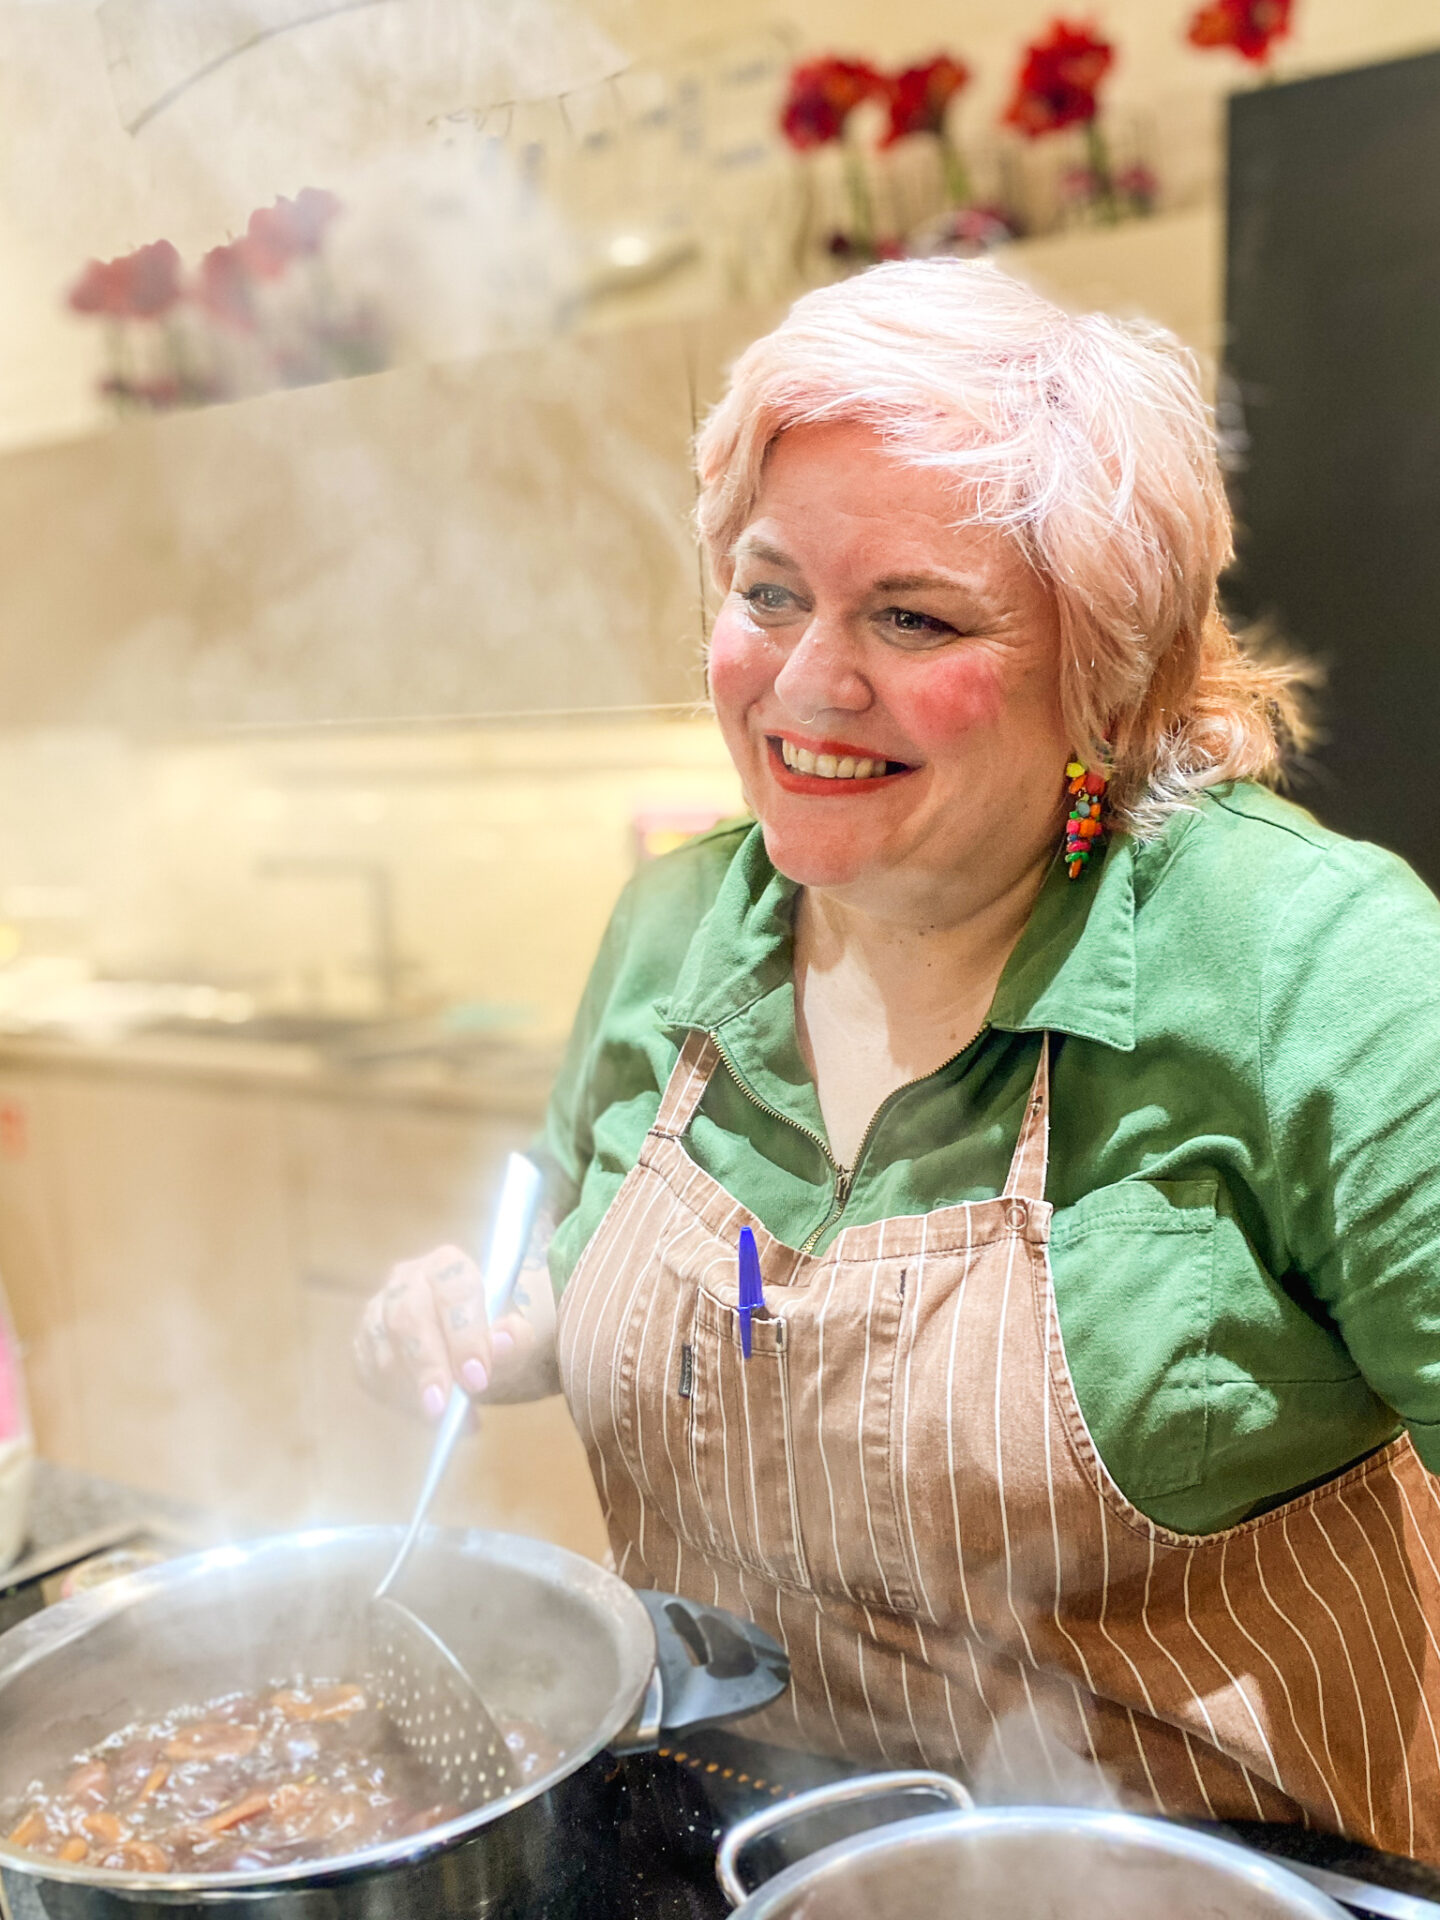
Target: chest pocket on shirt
[741,1443]
[1146,1247]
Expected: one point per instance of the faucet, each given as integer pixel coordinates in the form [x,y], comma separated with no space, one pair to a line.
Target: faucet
[386,965]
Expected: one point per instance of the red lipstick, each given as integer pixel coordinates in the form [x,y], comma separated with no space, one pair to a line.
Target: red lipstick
[820,786]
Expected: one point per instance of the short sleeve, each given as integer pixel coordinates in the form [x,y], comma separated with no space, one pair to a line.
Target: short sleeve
[1349,1022]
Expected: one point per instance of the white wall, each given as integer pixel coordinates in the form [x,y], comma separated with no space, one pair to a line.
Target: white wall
[73,183]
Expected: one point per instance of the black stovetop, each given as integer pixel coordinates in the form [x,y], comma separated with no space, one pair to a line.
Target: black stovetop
[676,1806]
[673,1807]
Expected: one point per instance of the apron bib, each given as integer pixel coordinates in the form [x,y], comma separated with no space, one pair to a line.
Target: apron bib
[901,1487]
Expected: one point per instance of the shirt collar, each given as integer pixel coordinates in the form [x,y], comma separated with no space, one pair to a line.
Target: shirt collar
[1072,971]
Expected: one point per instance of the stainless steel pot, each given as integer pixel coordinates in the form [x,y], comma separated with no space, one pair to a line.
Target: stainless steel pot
[1006,1863]
[548,1636]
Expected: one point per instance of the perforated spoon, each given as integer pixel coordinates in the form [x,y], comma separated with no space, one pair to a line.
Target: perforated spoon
[435,1705]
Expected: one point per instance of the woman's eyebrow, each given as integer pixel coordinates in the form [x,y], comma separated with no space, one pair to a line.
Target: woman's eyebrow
[924,583]
[747,547]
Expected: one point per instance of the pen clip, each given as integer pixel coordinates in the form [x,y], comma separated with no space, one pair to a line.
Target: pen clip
[752,1292]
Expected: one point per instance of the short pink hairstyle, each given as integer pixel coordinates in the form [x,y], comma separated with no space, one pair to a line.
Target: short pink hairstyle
[1088,440]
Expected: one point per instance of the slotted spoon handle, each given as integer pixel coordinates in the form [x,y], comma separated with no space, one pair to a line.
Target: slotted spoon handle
[509,1237]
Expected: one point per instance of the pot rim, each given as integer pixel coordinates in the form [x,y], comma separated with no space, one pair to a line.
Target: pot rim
[1184,1843]
[65,1624]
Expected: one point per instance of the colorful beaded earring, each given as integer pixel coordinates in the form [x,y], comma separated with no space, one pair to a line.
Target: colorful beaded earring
[1084,829]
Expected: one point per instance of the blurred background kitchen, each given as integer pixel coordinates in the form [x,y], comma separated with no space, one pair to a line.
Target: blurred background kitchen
[351,627]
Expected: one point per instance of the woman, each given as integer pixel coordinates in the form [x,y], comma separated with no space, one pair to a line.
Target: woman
[1088,1133]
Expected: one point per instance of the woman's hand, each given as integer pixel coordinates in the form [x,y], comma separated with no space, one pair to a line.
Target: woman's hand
[425,1330]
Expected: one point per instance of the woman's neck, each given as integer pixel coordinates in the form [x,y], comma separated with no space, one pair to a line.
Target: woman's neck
[882,1001]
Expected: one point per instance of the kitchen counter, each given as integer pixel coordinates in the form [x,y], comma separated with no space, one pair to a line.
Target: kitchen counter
[501,1077]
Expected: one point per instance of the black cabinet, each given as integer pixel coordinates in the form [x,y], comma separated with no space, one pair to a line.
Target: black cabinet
[1332,401]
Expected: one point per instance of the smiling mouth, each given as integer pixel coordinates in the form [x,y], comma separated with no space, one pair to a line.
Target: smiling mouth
[842,764]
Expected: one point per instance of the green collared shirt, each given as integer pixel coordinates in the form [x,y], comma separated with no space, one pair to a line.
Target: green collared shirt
[1245,1143]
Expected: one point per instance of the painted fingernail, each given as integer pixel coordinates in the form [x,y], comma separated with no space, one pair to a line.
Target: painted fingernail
[475,1377]
[433,1401]
[502,1340]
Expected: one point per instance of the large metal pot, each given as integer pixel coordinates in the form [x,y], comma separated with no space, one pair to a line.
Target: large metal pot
[1005,1863]
[549,1637]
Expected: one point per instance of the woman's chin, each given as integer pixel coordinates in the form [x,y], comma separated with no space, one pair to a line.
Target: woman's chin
[813,855]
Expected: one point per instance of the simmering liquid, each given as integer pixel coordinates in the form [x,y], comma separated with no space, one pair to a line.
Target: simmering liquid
[246,1782]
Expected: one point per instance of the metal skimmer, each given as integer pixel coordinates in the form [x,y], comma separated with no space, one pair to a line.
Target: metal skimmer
[435,1705]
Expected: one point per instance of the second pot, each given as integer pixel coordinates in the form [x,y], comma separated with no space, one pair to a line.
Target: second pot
[1005,1863]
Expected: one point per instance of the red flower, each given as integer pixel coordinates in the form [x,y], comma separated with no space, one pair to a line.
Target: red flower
[823,94]
[920,96]
[137,286]
[226,286]
[1058,80]
[287,231]
[1249,26]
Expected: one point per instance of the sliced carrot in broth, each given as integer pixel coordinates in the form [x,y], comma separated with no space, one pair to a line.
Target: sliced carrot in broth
[320,1703]
[212,1740]
[30,1829]
[243,1810]
[152,1784]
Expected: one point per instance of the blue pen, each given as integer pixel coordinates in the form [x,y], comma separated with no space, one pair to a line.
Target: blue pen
[752,1293]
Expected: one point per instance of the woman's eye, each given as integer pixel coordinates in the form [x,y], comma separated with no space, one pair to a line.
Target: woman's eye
[906,623]
[766,598]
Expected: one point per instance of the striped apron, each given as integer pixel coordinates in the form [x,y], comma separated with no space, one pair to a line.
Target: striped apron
[900,1485]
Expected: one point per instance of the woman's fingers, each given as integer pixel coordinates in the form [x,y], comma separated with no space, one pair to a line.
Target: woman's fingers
[523,1341]
[459,1294]
[428,1328]
[411,1324]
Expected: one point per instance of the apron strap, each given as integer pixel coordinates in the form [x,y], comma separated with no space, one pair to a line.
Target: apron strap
[686,1086]
[1032,1150]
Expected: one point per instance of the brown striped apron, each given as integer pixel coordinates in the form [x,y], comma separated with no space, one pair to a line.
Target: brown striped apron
[900,1485]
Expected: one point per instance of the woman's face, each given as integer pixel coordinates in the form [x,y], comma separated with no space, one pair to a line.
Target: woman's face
[888,682]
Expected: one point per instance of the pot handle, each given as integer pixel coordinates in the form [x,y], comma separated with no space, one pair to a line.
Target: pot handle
[710,1666]
[837,1793]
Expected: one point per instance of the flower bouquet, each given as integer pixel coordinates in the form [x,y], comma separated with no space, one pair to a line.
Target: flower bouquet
[258,313]
[915,111]
[1057,88]
[819,106]
[920,100]
[1249,27]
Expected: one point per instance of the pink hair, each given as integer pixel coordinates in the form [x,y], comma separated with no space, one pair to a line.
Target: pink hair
[1088,440]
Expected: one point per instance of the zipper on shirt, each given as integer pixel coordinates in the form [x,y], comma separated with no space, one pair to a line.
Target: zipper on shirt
[844,1176]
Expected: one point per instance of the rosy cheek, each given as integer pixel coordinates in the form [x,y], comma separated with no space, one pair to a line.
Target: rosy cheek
[741,666]
[939,700]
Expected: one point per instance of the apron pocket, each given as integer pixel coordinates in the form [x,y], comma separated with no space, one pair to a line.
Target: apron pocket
[741,1451]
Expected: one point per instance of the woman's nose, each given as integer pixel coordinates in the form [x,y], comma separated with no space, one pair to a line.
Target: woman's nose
[822,675]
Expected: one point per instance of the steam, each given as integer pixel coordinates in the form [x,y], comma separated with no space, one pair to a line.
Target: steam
[496,524]
[1028,1763]
[236,100]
